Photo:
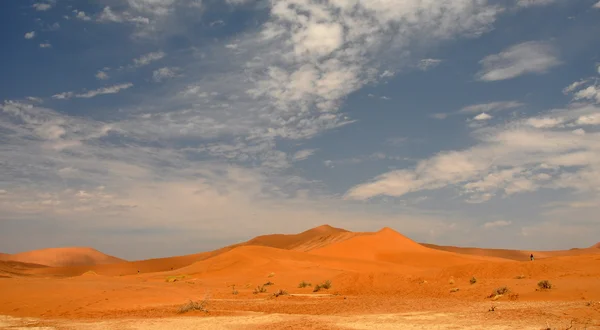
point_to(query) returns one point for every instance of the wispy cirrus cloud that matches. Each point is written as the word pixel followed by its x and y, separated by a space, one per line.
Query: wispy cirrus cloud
pixel 114 89
pixel 531 57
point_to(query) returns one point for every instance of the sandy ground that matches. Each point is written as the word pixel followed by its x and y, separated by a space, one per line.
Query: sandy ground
pixel 379 280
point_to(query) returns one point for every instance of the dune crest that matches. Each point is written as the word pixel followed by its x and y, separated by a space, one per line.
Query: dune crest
pixel 68 256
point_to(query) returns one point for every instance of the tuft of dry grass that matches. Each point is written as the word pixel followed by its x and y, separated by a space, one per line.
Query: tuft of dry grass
pixel 473 280
pixel 492 308
pixel 260 289
pixel 325 285
pixel 280 292
pixel 520 277
pixel 304 284
pixel 268 283
pixel 545 285
pixel 193 306
pixel 501 290
pixel 454 290
pixel 175 278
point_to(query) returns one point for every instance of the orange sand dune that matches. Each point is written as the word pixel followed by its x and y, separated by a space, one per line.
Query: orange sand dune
pixel 390 246
pixel 59 257
pixel 261 260
pixel 513 254
pixel 15 268
pixel 305 241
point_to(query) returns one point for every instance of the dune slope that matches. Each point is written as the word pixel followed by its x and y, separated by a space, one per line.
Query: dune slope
pixel 60 257
pixel 388 245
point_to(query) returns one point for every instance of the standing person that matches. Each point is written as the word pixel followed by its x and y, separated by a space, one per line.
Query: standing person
pixel 531 257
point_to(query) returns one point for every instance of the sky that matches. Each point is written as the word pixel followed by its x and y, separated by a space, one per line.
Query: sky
pixel 151 128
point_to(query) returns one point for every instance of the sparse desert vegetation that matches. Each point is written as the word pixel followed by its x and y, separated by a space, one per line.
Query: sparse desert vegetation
pixel 280 292
pixel 454 290
pixel 544 285
pixel 193 306
pixel 174 278
pixel 259 289
pixel 325 285
pixel 304 284
pixel 473 280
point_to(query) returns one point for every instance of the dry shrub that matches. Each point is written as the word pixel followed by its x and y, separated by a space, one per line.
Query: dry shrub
pixel 193 306
pixel 473 280
pixel 317 288
pixel 520 277
pixel 501 290
pixel 260 289
pixel 545 285
pixel 454 290
pixel 280 292
pixel 326 284
pixel 304 284
pixel 268 283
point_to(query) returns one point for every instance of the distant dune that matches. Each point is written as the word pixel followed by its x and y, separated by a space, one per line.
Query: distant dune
pixel 513 254
pixel 61 257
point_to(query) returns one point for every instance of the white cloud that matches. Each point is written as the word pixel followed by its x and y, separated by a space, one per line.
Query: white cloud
pixel 491 107
pixel 496 224
pixel 387 74
pixel 35 99
pixel 165 73
pixel 545 122
pixel 81 15
pixel 30 35
pixel 597 5
pixel 93 93
pixel 148 58
pixel 63 96
pixel 520 156
pixel 429 63
pixel 45 45
pixel 589 93
pixel 525 58
pixel 108 15
pixel 102 75
pixel 105 90
pixel 303 154
pixel 43 6
pixel 482 116
pixel 533 3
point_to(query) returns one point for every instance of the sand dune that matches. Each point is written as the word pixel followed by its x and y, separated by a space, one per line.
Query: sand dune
pixel 372 272
pixel 390 246
pixel 513 254
pixel 305 241
pixel 60 257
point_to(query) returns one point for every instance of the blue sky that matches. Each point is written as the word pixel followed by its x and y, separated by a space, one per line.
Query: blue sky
pixel 149 128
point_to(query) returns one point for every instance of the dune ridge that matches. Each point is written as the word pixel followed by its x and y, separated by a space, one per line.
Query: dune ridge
pixel 65 256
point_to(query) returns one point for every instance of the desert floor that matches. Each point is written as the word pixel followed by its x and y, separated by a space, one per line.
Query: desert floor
pixel 379 280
